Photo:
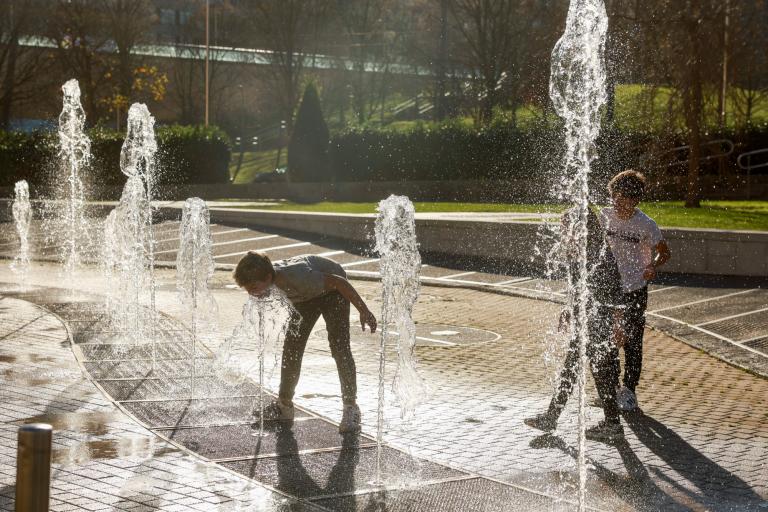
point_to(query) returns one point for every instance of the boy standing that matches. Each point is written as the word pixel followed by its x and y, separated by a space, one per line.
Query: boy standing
pixel 604 321
pixel 316 286
pixel 639 248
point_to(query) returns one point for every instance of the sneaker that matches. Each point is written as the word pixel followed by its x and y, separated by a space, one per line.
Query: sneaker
pixel 544 421
pixel 605 431
pixel 279 410
pixel 350 419
pixel 626 399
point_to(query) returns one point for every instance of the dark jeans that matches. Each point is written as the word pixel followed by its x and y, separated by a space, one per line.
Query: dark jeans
pixel 634 325
pixel 335 311
pixel 604 364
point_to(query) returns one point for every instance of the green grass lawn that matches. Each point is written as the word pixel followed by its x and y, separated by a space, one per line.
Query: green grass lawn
pixel 255 162
pixel 739 215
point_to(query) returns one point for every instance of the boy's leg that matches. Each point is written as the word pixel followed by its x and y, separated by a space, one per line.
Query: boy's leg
pixel 335 309
pixel 634 324
pixel 293 349
pixel 604 359
pixel 567 379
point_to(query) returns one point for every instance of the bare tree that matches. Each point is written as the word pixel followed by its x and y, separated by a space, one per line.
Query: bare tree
pixel 77 27
pixel 283 26
pixel 20 66
pixel 128 25
pixel 748 59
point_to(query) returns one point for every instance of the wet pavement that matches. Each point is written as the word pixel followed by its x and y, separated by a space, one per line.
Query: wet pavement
pixel 726 317
pixel 700 444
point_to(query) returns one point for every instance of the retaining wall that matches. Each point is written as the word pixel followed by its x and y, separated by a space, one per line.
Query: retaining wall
pixel 699 251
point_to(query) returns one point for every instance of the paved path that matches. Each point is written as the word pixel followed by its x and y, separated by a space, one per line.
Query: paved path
pixel 727 317
pixel 103 460
pixel 701 444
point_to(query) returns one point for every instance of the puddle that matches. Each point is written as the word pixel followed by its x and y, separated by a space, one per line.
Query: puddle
pixel 318 395
pixel 25 379
pixel 94 423
pixel 132 447
pixel 27 358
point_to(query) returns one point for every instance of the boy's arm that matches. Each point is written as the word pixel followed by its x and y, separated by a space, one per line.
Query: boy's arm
pixel 662 256
pixel 335 283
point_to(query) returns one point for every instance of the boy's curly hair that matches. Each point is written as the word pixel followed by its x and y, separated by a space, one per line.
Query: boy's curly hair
pixel 254 266
pixel 629 184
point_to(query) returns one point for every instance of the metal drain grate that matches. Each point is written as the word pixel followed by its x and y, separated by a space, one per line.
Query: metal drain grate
pixel 328 473
pixel 173 389
pixel 133 369
pixel 473 495
pixel 182 413
pixel 280 438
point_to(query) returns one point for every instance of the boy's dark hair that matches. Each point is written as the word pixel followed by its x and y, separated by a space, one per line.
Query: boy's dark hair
pixel 629 184
pixel 254 266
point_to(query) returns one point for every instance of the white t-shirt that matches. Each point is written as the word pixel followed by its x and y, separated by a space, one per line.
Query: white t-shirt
pixel 632 242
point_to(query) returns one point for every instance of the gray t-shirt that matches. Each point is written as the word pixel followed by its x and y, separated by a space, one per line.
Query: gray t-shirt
pixel 303 276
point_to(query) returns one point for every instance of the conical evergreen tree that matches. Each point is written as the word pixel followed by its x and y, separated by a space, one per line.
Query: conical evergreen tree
pixel 308 148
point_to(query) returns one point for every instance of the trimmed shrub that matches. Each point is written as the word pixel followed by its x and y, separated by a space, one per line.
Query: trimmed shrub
pixel 186 155
pixel 308 148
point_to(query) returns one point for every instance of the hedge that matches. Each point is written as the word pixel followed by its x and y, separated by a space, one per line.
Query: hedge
pixel 186 154
pixel 453 151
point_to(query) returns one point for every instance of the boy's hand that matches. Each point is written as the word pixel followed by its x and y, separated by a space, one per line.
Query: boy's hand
pixel 649 273
pixel 366 317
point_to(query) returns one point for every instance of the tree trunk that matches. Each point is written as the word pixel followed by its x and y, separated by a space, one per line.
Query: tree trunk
pixel 8 81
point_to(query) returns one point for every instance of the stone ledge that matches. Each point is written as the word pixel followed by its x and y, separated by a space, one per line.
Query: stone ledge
pixel 694 251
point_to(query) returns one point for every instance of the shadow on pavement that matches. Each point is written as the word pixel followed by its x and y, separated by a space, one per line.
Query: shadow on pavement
pixel 715 483
pixel 293 477
pixel 635 488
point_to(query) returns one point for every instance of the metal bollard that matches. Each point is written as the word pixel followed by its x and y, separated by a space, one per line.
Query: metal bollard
pixel 33 468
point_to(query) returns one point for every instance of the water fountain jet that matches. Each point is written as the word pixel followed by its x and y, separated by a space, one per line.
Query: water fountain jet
pixel 194 268
pixel 578 93
pixel 22 216
pixel 400 269
pixel 75 156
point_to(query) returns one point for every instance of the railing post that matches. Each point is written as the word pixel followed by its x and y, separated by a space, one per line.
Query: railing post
pixel 33 468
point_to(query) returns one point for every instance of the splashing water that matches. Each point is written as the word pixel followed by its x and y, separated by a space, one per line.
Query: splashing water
pixel 264 325
pixel 400 268
pixel 194 267
pixel 75 156
pixel 578 93
pixel 132 235
pixel 110 258
pixel 22 216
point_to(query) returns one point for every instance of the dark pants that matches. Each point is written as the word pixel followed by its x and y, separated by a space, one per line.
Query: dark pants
pixel 634 325
pixel 335 311
pixel 604 364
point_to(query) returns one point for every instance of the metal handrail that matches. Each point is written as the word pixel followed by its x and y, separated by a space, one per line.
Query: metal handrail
pixel 749 167
pixel 729 144
pixel 748 155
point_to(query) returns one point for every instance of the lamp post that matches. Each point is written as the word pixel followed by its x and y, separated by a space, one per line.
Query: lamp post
pixel 207 50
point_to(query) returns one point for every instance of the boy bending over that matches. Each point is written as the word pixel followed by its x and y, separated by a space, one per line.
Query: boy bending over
pixel 316 286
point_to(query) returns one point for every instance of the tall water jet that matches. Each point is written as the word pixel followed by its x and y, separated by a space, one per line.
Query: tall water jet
pixel 75 156
pixel 22 216
pixel 194 268
pixel 400 265
pixel 578 93
pixel 133 235
pixel 265 321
